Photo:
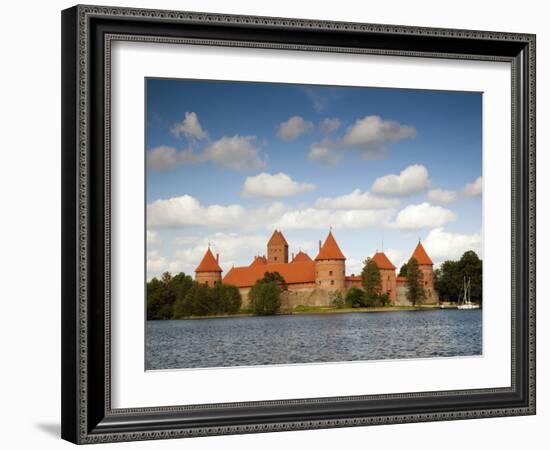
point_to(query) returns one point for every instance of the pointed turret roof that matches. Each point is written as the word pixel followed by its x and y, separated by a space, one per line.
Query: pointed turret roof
pixel 382 261
pixel 208 263
pixel 330 249
pixel 277 238
pixel 421 256
pixel 301 257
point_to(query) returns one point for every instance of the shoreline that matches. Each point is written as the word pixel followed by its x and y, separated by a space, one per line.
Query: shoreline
pixel 319 310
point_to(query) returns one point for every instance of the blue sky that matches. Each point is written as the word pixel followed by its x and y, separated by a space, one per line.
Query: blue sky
pixel 227 162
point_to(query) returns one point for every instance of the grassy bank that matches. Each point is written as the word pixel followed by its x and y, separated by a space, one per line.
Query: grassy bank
pixel 334 310
pixel 300 309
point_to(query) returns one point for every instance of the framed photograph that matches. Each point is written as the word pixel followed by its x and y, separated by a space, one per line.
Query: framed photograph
pixel 280 224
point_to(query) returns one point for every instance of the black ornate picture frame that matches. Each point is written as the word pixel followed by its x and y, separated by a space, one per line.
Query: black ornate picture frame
pixel 87 35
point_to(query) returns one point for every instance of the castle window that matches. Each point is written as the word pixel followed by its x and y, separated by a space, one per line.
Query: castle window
pixel 215 282
pixel 330 272
pixel 332 282
pixel 425 283
pixel 275 258
pixel 206 282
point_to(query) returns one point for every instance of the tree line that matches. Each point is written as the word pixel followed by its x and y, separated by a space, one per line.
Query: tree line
pixel 449 278
pixel 175 297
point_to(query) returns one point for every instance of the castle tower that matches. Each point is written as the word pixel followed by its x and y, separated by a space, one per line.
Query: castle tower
pixel 387 275
pixel 426 265
pixel 330 266
pixel 209 271
pixel 277 248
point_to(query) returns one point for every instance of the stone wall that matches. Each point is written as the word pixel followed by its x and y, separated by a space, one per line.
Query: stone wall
pixel 307 296
pixel 431 296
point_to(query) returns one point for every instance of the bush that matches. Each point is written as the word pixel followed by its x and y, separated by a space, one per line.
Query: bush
pixel 355 297
pixel 384 299
pixel 338 300
pixel 265 298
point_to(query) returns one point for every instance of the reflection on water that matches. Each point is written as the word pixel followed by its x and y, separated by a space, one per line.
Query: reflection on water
pixel 246 341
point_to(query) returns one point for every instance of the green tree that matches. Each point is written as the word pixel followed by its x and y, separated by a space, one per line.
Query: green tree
pixel 449 278
pixel 471 267
pixel 277 278
pixel 415 283
pixel 355 297
pixel 403 270
pixel 265 298
pixel 153 298
pixel 448 281
pixel 230 298
pixel 372 282
pixel 384 299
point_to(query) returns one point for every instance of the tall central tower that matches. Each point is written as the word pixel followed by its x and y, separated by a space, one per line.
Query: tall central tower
pixel 277 248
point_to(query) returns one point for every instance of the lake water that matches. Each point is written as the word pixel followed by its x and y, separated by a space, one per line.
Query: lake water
pixel 296 339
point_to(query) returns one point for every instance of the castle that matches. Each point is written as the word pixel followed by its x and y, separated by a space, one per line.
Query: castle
pixel 313 282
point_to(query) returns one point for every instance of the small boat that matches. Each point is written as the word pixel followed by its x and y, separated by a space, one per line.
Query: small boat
pixel 466 302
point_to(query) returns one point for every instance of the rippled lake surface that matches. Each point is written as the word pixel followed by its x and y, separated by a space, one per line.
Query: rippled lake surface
pixel 297 339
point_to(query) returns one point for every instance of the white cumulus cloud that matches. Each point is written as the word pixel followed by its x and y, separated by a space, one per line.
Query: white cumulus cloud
pixel 373 130
pixel 162 157
pixel 270 186
pixel 314 218
pixel 189 127
pixel 443 245
pixel 474 189
pixel 369 136
pixel 324 152
pixel 236 152
pixel 187 210
pixel 152 238
pixel 445 197
pixel 442 196
pixel 157 264
pixel 410 181
pixel 424 215
pixel 294 127
pixel 356 200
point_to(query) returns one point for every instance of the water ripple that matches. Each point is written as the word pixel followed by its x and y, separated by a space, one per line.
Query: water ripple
pixel 298 339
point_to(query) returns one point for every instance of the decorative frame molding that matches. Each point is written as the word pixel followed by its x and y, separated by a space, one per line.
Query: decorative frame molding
pixel 87 34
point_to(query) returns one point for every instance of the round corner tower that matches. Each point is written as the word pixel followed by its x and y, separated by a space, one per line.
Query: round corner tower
pixel 330 266
pixel 426 266
pixel 209 271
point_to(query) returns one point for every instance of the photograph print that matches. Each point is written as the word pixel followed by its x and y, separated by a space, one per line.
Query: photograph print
pixel 297 224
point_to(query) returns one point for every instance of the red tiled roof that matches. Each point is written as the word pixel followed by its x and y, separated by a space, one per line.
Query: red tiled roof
pixel 330 249
pixel 354 278
pixel 208 263
pixel 297 272
pixel 277 238
pixel 382 261
pixel 259 260
pixel 301 257
pixel 421 256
